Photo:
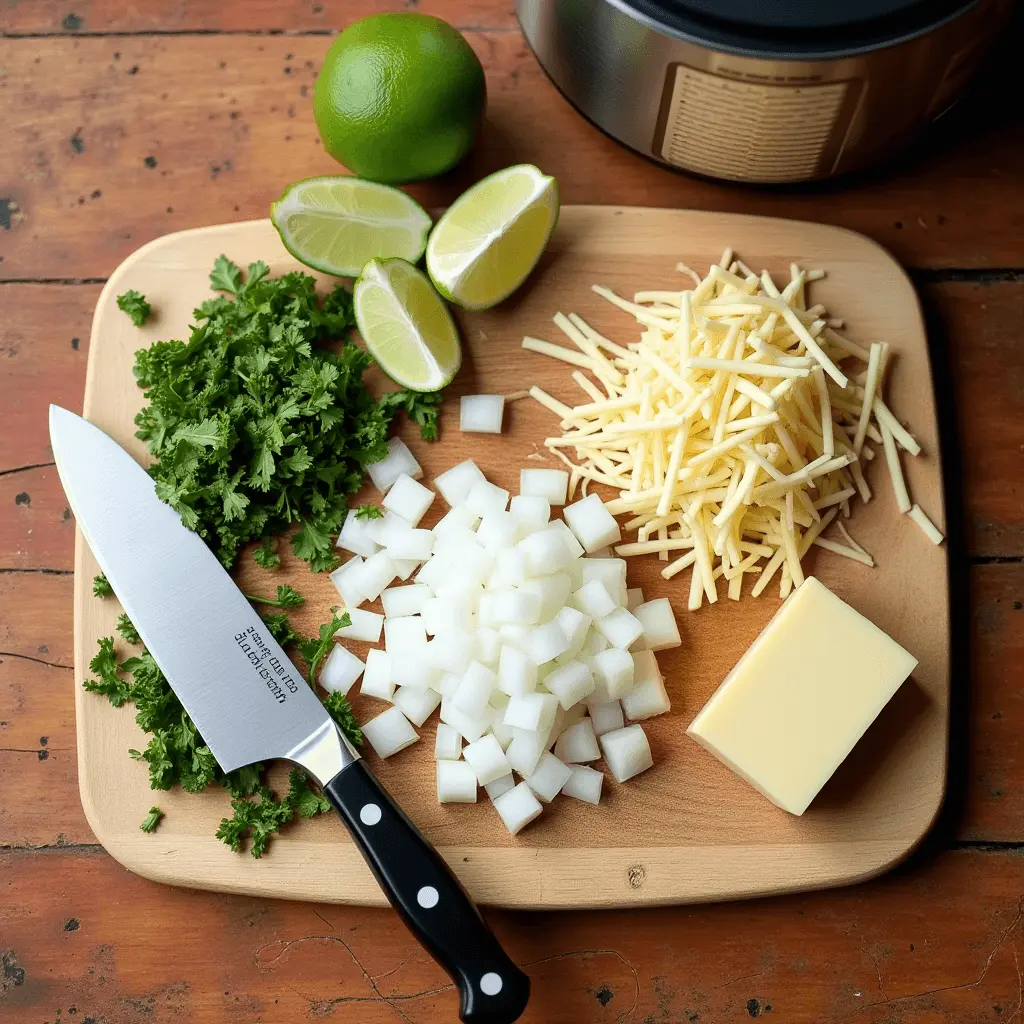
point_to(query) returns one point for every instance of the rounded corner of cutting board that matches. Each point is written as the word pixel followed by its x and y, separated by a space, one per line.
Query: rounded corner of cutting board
pixel 570 875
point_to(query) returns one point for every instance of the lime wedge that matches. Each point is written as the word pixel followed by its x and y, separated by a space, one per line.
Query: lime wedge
pixel 406 325
pixel 488 241
pixel 338 224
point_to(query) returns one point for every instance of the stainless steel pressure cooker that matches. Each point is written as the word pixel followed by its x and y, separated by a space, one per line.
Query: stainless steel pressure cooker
pixel 762 90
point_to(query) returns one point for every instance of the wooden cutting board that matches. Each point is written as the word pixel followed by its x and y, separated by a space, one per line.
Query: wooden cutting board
pixel 688 829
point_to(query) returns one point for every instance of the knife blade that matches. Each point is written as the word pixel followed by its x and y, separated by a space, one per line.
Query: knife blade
pixel 250 703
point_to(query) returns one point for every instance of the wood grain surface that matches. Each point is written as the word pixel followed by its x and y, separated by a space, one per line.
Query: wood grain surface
pixel 82 939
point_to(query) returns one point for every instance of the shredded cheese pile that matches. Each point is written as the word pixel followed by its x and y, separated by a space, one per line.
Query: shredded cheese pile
pixel 730 429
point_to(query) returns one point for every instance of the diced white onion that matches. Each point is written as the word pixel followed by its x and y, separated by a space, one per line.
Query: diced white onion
pixel 481 414
pixel 398 460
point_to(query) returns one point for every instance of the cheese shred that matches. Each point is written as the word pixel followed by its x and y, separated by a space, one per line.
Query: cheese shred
pixel 730 431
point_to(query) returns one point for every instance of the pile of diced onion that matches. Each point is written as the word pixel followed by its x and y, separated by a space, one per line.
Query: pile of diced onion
pixel 519 628
pixel 730 431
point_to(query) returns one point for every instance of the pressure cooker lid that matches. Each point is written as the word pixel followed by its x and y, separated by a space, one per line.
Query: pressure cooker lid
pixel 825 27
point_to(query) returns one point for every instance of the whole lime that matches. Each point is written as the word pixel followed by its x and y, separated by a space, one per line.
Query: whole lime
pixel 400 97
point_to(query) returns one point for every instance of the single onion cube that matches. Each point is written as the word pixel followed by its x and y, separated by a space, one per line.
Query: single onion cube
pixel 398 460
pixel 415 545
pixel 366 626
pixel 594 600
pixel 532 711
pixel 409 668
pixel 448 684
pixel 436 569
pixel 570 683
pixel 595 643
pixel 634 598
pixel 626 752
pixel 475 690
pixel 574 547
pixel 517 675
pixel 404 632
pixel 447 743
pixel 613 673
pixel 509 569
pixel 488 645
pixel 578 743
pixel 340 671
pixel 416 703
pixel 545 643
pixel 456 483
pixel 408 499
pixel 481 414
pixel 606 716
pixel 451 650
pixel 550 484
pixel 355 537
pixel 575 625
pixel 502 784
pixel 376 573
pixel 401 601
pixel 441 614
pixel 471 728
pixel 497 530
pixel 525 750
pixel 584 784
pixel 389 732
pixel 648 696
pixel 532 513
pixel 405 567
pixel 515 607
pixel 593 525
pixel 620 628
pixel 518 807
pixel 548 778
pixel 388 528
pixel 659 622
pixel 545 552
pixel 458 517
pixel 377 676
pixel 553 590
pixel 611 572
pixel 344 578
pixel 456 783
pixel 487 759
pixel 486 497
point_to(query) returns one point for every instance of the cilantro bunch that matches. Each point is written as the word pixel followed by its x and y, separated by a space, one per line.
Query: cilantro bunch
pixel 258 423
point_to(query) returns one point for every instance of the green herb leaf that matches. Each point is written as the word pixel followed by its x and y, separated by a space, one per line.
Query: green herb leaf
pixel 226 277
pixel 261 422
pixel 340 710
pixel 127 629
pixel 281 629
pixel 286 598
pixel 151 820
pixel 315 648
pixel 423 408
pixel 369 512
pixel 135 305
pixel 101 586
pixel 266 555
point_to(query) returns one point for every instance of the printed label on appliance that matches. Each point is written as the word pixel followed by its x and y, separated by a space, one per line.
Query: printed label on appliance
pixel 748 131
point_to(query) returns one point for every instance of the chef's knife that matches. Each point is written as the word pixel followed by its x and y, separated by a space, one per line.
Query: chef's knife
pixel 251 704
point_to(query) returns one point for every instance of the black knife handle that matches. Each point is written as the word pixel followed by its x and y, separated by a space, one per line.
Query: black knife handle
pixel 423 889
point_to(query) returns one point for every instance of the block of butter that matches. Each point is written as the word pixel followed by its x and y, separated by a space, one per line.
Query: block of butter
pixel 801 697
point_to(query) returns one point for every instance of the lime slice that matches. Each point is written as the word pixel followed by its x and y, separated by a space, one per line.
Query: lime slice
pixel 406 325
pixel 488 241
pixel 338 224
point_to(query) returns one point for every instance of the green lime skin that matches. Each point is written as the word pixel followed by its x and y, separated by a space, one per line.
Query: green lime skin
pixel 400 97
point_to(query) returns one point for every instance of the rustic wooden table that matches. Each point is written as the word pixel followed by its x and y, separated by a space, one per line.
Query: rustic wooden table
pixel 125 120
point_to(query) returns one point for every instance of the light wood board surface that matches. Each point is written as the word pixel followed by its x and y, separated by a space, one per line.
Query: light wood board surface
pixel 687 830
